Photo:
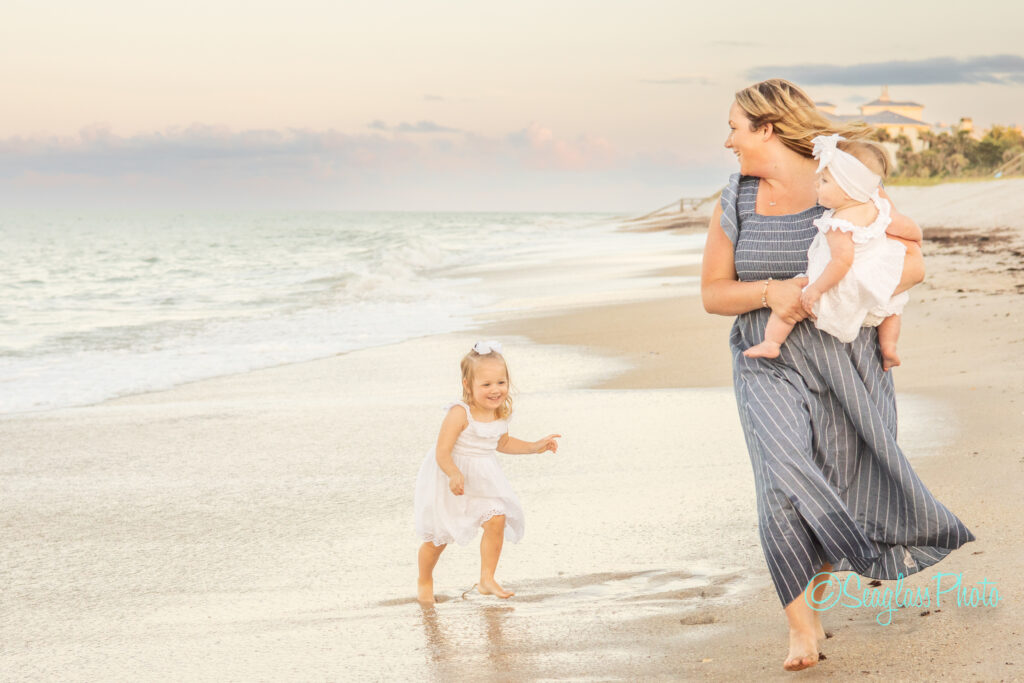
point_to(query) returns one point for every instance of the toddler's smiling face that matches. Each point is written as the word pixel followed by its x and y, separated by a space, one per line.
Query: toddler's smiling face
pixel 490 384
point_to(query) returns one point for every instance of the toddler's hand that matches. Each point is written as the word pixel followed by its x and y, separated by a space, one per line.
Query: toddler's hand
pixel 457 483
pixel 808 298
pixel 548 443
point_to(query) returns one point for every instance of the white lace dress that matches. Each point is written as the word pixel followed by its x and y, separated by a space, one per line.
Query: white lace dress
pixel 441 516
pixel 865 294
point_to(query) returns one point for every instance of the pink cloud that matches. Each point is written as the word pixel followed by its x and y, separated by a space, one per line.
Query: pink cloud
pixel 549 151
pixel 213 165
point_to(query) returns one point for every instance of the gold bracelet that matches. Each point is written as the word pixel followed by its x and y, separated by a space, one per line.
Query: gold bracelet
pixel 764 293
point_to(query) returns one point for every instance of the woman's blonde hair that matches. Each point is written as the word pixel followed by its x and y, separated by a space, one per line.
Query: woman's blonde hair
pixel 469 363
pixel 794 118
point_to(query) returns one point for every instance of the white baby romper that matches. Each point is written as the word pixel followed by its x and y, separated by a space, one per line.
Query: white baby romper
pixel 865 294
pixel 441 516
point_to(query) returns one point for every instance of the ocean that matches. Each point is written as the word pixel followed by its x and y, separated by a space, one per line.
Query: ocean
pixel 98 305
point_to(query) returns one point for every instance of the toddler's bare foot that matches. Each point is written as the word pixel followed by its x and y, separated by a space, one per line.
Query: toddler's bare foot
pixel 889 358
pixel 765 349
pixel 803 650
pixel 425 591
pixel 491 587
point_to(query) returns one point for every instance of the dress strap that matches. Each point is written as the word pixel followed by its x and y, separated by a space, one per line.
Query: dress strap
pixel 883 206
pixel 469 414
pixel 730 220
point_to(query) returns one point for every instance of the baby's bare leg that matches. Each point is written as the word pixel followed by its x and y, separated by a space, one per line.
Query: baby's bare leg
pixel 775 333
pixel 490 551
pixel 888 336
pixel 428 556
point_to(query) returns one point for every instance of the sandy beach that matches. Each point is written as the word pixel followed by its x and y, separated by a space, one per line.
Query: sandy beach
pixel 258 526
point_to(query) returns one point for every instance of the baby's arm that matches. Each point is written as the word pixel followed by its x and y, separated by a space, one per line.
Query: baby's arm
pixel 840 244
pixel 454 422
pixel 513 446
pixel 902 227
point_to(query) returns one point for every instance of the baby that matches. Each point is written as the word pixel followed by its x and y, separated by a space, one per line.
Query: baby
pixel 852 267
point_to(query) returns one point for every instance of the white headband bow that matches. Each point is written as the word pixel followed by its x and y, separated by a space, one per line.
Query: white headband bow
pixel 856 179
pixel 485 347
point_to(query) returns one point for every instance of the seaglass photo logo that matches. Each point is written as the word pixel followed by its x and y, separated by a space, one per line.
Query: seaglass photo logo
pixel 947 589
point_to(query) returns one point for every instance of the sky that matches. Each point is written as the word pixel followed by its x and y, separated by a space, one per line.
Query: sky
pixel 450 105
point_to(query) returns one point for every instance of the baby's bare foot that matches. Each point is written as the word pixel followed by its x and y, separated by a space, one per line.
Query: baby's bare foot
pixel 803 650
pixel 425 591
pixel 491 587
pixel 765 349
pixel 889 358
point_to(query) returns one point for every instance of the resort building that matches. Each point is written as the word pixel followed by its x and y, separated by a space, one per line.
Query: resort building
pixel 884 103
pixel 894 117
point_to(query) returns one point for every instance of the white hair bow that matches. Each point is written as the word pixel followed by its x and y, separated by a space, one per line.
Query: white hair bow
pixel 485 347
pixel 825 149
pixel 857 180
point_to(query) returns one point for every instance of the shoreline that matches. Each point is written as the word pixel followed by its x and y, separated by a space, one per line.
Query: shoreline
pixel 233 514
pixel 961 346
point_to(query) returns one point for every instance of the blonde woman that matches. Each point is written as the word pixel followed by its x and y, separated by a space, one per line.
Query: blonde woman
pixel 834 491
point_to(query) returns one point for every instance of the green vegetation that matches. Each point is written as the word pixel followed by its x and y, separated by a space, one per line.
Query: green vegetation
pixel 956 156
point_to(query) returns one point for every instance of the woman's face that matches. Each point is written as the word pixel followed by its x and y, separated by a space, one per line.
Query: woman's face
pixel 746 144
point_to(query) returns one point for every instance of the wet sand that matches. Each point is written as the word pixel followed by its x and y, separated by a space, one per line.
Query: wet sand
pixel 258 526
pixel 962 343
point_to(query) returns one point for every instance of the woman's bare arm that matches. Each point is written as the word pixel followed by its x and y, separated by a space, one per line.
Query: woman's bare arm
pixel 913 267
pixel 905 230
pixel 723 294
pixel 902 227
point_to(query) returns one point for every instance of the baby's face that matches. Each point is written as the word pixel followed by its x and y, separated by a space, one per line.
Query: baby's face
pixel 830 195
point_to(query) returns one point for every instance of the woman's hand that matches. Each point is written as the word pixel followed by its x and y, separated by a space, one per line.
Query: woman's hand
pixel 457 483
pixel 548 443
pixel 783 297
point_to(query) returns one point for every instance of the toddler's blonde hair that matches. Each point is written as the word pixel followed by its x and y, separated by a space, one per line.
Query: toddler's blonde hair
pixel 468 365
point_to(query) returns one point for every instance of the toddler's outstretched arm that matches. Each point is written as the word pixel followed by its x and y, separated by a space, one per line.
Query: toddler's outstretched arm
pixel 840 245
pixel 454 422
pixel 513 446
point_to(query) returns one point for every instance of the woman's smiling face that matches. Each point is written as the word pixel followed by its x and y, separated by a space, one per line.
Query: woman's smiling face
pixel 746 144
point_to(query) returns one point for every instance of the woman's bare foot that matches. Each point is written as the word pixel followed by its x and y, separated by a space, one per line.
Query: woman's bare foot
pixel 491 587
pixel 889 358
pixel 819 630
pixel 425 591
pixel 803 650
pixel 765 349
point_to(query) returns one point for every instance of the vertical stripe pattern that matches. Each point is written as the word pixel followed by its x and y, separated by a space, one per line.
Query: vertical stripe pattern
pixel 820 426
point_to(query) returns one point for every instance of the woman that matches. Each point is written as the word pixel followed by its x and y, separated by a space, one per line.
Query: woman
pixel 834 491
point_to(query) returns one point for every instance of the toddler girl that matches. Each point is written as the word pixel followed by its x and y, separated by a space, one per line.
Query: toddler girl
pixel 853 269
pixel 460 486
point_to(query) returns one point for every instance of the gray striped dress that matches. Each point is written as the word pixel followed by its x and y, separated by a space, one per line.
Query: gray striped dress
pixel 820 426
